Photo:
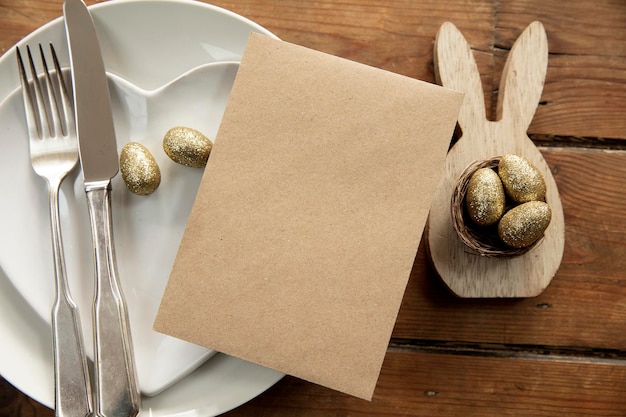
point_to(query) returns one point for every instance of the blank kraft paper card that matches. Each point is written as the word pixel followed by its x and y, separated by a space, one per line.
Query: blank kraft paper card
pixel 309 215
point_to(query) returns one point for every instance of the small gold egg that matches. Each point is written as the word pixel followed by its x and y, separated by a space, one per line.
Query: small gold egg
pixel 485 199
pixel 187 146
pixel 521 179
pixel 140 172
pixel 521 226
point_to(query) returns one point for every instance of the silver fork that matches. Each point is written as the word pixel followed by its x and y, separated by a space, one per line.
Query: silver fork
pixel 54 153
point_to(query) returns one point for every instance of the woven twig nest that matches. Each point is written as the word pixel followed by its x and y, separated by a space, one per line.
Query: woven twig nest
pixel 483 240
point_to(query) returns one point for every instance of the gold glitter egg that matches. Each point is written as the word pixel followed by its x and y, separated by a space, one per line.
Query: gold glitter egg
pixel 187 146
pixel 140 172
pixel 521 179
pixel 521 226
pixel 485 199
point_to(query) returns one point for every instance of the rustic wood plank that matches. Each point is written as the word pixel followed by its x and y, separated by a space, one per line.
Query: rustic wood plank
pixel 430 384
pixel 396 36
pixel 20 17
pixel 17 22
pixel 585 91
pixel 14 403
pixel 417 384
pixel 584 306
pixel 586 83
pixel 585 88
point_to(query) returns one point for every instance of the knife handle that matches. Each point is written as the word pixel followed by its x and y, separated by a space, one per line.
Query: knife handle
pixel 116 388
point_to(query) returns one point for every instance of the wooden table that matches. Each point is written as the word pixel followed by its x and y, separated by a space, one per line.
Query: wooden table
pixel 562 353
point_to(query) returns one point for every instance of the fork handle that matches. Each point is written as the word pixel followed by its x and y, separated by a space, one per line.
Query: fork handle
pixel 72 390
pixel 116 388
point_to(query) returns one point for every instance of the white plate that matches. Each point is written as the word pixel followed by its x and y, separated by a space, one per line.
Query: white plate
pixel 162 57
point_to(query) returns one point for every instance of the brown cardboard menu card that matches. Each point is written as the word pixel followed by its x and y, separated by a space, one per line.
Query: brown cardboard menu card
pixel 309 215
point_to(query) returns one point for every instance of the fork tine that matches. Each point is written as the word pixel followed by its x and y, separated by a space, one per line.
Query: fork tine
pixel 43 113
pixel 56 113
pixel 30 101
pixel 68 108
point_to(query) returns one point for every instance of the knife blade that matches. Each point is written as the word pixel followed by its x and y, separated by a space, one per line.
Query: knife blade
pixel 116 391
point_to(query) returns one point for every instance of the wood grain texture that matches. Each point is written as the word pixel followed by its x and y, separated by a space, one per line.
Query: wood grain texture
pixel 430 384
pixel 396 36
pixel 464 271
pixel 585 304
pixel 14 403
pixel 585 91
pixel 18 18
pixel 585 87
pixel 416 385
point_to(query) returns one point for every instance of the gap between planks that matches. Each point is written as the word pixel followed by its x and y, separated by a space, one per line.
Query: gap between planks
pixel 514 351
pixel 580 142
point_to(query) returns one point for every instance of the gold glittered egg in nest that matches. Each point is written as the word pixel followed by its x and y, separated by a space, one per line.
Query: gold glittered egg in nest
pixel 485 199
pixel 521 179
pixel 521 226
pixel 187 146
pixel 139 169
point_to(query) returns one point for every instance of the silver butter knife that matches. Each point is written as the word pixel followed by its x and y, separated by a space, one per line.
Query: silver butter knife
pixel 116 391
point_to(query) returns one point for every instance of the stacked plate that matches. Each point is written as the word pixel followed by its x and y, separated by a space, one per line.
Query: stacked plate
pixel 170 63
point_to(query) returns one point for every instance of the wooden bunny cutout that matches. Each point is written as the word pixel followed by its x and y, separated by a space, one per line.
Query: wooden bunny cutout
pixel 464 271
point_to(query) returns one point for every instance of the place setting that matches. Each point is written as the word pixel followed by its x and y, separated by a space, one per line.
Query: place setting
pixel 149 94
pixel 303 208
pixel 242 208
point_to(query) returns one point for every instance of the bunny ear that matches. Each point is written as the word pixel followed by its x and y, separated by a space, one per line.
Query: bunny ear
pixel 523 76
pixel 456 68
